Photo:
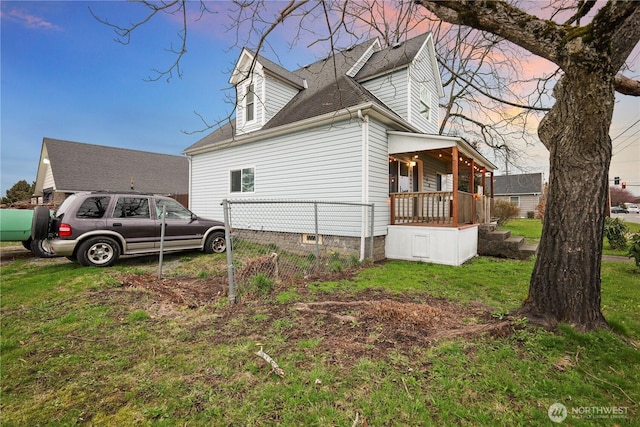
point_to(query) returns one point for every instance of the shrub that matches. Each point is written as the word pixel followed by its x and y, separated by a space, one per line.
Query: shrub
pixel 634 249
pixel 504 211
pixel 615 231
pixel 530 214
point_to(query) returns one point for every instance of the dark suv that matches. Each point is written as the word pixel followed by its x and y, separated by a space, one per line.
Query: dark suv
pixel 96 228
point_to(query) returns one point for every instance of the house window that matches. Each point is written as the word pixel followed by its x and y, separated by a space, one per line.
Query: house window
pixel 515 200
pixel 250 103
pixel 242 180
pixel 425 102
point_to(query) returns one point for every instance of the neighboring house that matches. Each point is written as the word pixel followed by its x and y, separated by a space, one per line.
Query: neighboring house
pixel 523 190
pixel 360 126
pixel 68 167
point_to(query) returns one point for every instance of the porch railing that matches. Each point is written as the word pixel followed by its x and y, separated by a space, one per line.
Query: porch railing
pixel 438 208
pixel 411 208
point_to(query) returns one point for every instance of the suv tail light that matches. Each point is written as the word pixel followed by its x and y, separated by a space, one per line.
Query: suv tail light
pixel 64 230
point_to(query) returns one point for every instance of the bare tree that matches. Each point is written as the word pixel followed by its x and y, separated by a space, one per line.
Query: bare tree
pixel 565 283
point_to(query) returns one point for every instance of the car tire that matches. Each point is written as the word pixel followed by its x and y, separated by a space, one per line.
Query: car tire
pixel 40 223
pixel 215 243
pixel 98 252
pixel 27 244
pixel 42 249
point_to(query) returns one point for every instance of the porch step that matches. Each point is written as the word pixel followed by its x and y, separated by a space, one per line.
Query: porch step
pixel 500 243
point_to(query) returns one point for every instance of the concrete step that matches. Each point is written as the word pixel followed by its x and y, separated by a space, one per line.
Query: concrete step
pixel 514 242
pixel 497 235
pixel 528 250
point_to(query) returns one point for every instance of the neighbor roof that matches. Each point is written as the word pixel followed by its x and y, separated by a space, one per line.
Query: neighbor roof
pixel 78 166
pixel 530 183
pixel 329 89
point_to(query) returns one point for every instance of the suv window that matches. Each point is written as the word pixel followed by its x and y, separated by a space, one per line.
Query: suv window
pixel 132 207
pixel 93 207
pixel 173 209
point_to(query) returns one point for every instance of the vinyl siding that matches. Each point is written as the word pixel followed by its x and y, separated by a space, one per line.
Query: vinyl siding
pixel 321 164
pixel 421 73
pixel 391 89
pixel 379 176
pixel 528 202
pixel 259 100
pixel 277 95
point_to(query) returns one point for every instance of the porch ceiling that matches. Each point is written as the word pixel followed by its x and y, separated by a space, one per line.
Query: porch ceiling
pixel 406 142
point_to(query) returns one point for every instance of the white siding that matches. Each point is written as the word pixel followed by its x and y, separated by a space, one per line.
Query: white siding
pixel 259 100
pixel 322 164
pixel 49 182
pixel 421 73
pixel 277 95
pixel 391 89
pixel 379 176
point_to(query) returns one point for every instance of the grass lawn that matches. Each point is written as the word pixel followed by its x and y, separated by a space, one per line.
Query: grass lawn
pixel 531 230
pixel 85 346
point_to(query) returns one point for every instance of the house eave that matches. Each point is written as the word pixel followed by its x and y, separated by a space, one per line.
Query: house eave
pixel 369 108
pixel 408 142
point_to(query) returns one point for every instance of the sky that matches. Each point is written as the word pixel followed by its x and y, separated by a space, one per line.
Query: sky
pixel 64 76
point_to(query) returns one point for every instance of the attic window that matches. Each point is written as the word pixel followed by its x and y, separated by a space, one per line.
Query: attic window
pixel 250 103
pixel 425 102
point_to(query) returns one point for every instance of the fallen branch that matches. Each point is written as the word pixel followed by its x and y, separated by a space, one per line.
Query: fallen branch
pixel 301 306
pixel 274 366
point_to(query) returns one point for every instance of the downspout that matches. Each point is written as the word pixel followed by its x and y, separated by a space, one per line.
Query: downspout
pixel 365 182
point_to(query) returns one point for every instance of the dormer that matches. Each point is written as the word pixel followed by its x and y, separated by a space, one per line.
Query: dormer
pixel 262 89
pixel 405 77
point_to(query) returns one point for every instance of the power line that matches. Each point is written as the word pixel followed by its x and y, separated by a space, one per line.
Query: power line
pixel 623 132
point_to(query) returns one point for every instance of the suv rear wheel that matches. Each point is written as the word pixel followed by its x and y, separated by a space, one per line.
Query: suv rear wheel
pixel 98 252
pixel 41 249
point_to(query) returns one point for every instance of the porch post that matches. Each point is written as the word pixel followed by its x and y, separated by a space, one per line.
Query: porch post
pixel 454 171
pixel 472 186
pixel 392 207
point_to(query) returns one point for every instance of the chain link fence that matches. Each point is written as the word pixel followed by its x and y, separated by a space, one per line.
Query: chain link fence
pixel 274 242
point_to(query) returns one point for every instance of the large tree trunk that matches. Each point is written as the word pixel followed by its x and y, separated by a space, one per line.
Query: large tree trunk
pixel 565 284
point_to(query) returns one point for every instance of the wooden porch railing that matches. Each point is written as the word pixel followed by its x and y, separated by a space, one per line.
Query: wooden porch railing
pixel 437 208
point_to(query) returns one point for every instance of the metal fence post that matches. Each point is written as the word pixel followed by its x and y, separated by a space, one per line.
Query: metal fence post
pixel 163 223
pixel 372 231
pixel 315 209
pixel 227 238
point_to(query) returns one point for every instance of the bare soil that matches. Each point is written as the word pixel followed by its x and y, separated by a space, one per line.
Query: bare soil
pixel 347 325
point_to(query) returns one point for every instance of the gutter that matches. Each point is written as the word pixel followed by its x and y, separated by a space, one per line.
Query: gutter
pixel 329 118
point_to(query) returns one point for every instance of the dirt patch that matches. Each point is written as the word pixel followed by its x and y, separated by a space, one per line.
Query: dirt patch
pixel 345 325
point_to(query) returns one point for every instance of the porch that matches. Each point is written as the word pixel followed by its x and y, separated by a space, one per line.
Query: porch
pixel 440 190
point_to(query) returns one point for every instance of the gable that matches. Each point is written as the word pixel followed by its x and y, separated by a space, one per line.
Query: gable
pixel 76 166
pixel 345 81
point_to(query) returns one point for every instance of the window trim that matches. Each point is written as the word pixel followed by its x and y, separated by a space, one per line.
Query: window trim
pixel 250 103
pixel 241 170
pixel 425 102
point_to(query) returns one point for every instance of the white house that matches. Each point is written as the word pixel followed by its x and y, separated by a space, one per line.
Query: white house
pixel 360 126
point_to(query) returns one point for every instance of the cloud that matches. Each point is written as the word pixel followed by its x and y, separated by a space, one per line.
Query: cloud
pixel 28 20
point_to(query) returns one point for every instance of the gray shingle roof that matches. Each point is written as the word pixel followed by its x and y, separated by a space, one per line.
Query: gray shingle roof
pixel 530 183
pixel 391 58
pixel 329 89
pixel 86 167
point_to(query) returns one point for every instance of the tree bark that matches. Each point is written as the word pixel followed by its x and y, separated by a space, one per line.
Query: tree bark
pixel 565 284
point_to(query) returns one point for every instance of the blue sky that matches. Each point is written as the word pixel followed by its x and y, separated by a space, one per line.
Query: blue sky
pixel 63 76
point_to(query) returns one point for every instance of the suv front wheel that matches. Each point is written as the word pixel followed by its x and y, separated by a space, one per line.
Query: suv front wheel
pixel 98 252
